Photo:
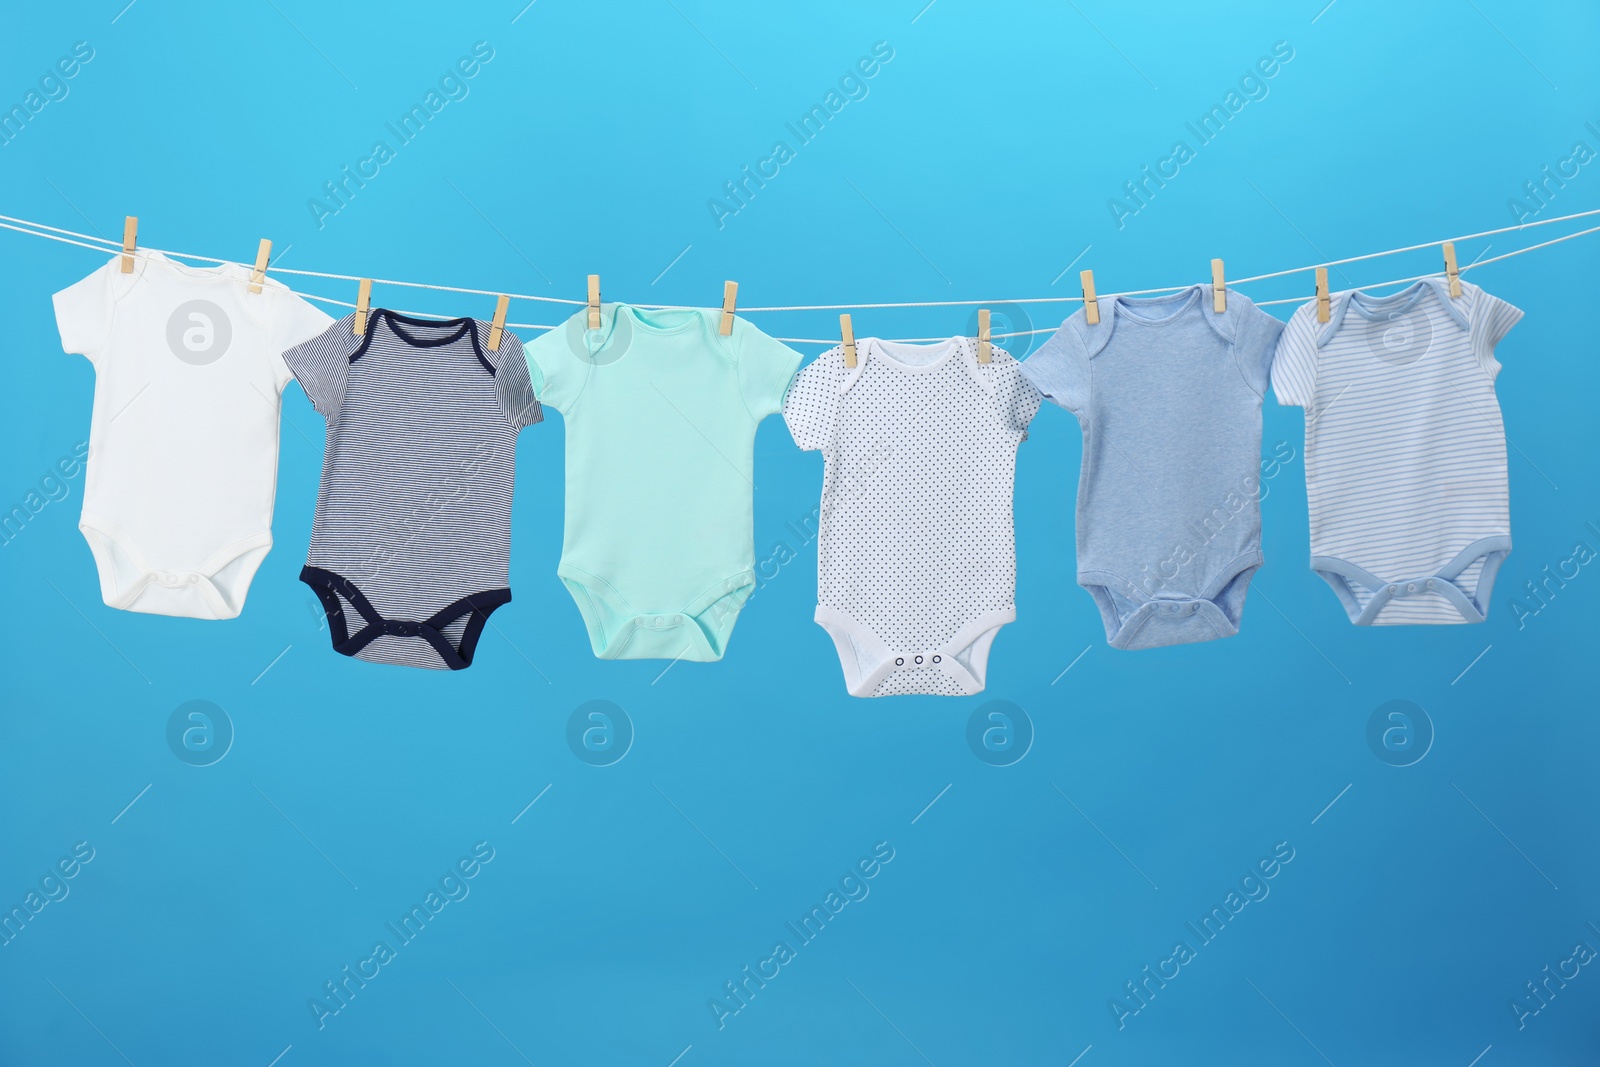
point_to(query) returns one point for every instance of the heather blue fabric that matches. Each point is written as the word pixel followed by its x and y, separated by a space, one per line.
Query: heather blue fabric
pixel 1168 394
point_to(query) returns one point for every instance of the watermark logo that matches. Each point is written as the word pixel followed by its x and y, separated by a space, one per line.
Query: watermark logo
pixel 1540 192
pixel 738 193
pixel 599 733
pixel 199 733
pixel 1540 591
pixel 852 887
pixel 199 332
pixel 1197 534
pixel 52 888
pixel 1004 319
pixel 1551 981
pixel 53 87
pixel 1138 193
pixel 452 887
pixel 1251 888
pixel 451 87
pixel 1399 733
pixel 999 733
pixel 54 486
pixel 604 346
pixel 1400 338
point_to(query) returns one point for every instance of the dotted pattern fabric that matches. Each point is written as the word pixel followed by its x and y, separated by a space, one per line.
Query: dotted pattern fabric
pixel 916 535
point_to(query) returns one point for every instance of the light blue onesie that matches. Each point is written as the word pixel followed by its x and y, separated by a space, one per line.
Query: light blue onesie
pixel 1168 394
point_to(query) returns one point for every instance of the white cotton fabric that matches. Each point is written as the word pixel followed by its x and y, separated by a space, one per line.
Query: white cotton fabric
pixel 183 442
pixel 916 558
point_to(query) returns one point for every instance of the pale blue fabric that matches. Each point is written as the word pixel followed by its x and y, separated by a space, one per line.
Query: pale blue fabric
pixel 1168 394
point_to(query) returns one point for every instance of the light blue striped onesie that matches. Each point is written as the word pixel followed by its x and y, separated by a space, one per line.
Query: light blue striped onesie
pixel 1405 449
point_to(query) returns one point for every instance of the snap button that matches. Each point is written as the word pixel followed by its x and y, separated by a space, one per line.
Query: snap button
pixel 899 661
pixel 916 659
pixel 1412 587
pixel 936 659
pixel 1393 589
pixel 1429 583
pixel 194 578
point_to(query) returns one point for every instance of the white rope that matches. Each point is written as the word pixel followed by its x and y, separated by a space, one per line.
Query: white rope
pixel 417 314
pixel 63 240
pixel 104 244
pixel 1430 244
pixel 1530 248
pixel 116 246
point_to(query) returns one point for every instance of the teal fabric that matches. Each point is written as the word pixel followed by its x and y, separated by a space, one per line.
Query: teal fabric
pixel 661 414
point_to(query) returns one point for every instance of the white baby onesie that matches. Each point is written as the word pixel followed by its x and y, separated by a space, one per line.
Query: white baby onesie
pixel 183 444
pixel 1405 449
pixel 916 556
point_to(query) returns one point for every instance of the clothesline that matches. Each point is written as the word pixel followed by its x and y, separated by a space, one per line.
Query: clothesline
pixel 102 244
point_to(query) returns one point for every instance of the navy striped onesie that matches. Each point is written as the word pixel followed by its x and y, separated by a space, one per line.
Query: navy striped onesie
pixel 411 546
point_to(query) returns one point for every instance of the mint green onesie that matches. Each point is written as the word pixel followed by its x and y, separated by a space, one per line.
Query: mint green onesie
pixel 661 415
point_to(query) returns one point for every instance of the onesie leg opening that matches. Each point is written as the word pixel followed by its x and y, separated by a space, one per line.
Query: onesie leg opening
pixel 471 613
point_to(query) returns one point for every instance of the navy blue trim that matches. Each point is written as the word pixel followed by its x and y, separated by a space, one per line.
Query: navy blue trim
pixel 464 327
pixel 329 587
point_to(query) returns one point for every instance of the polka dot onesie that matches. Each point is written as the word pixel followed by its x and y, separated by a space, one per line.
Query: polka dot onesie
pixel 916 558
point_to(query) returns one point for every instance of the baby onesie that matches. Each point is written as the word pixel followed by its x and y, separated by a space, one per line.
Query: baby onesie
pixel 1168 394
pixel 411 545
pixel 183 443
pixel 661 413
pixel 1405 449
pixel 916 558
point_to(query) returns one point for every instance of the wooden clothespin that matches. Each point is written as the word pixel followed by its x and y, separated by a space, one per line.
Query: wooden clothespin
pixel 498 326
pixel 263 253
pixel 849 335
pixel 1091 305
pixel 363 305
pixel 983 335
pixel 594 301
pixel 730 290
pixel 130 242
pixel 1450 269
pixel 1219 288
pixel 1322 294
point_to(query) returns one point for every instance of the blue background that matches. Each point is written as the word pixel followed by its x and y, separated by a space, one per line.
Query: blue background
pixel 1020 899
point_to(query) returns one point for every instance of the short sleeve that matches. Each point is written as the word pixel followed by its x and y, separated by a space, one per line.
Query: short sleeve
pixel 813 399
pixel 1294 359
pixel 1255 341
pixel 1060 368
pixel 766 367
pixel 1492 319
pixel 513 387
pixel 1014 395
pixel 294 321
pixel 556 373
pixel 322 365
pixel 84 309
